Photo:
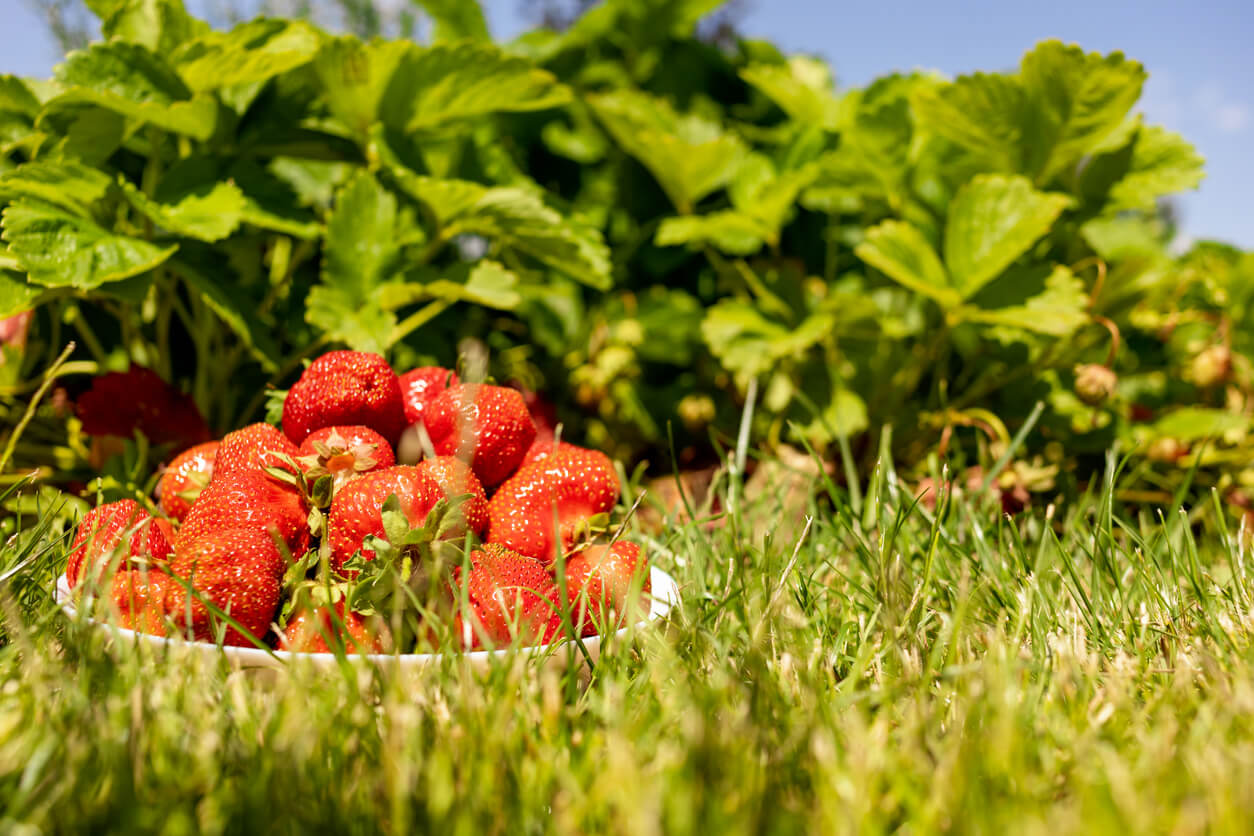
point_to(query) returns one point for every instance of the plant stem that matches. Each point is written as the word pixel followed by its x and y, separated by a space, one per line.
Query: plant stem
pixel 49 376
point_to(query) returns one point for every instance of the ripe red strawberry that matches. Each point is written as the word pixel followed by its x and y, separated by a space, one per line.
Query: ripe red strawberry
pixel 343 388
pixel 239 571
pixel 542 448
pixel 308 630
pixel 344 452
pixel 421 385
pixel 356 510
pixel 249 499
pixel 577 482
pixel 599 581
pixel 118 403
pixel 509 596
pixel 456 479
pixel 138 597
pixel 123 525
pixel 185 478
pixel 487 426
pixel 251 448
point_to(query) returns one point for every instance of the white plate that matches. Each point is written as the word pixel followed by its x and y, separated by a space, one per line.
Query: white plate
pixel 665 594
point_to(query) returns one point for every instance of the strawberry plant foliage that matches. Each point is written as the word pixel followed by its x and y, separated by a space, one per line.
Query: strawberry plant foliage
pixel 634 217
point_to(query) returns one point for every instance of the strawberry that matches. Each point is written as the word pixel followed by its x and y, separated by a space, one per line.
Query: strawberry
pixel 542 448
pixel 356 510
pixel 456 479
pixel 543 413
pixel 238 570
pixel 138 597
pixel 599 582
pixel 579 483
pixel 123 526
pixel 118 403
pixel 486 425
pixel 509 595
pixel 184 479
pixel 421 385
pixel 344 453
pixel 249 499
pixel 308 630
pixel 344 388
pixel 252 448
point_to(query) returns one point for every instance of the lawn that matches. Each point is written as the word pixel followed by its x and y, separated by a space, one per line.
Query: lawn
pixel 888 667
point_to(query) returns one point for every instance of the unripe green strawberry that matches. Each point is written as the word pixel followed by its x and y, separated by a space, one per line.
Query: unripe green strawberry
pixel 1211 366
pixel 1094 384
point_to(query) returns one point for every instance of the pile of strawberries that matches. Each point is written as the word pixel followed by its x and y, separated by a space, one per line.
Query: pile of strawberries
pixel 314 538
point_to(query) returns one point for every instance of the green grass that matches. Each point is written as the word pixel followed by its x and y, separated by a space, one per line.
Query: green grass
pixel 893 670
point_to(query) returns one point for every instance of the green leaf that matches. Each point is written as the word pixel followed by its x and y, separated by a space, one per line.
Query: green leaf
pixel 361 255
pixel 514 219
pixel 129 80
pixel 899 251
pixel 209 212
pixel 688 155
pixel 16 294
pixel 1078 101
pixel 355 77
pixel 1162 163
pixel 66 183
pixel 60 249
pixel 485 282
pixel 1123 237
pixel 250 53
pixel 1055 304
pixel 450 82
pixel 1193 423
pixel 741 338
pixel 982 113
pixel 802 88
pixel 159 25
pixel 729 231
pixel 456 20
pixel 992 221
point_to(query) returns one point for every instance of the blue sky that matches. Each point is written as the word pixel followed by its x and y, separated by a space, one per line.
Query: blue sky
pixel 1200 59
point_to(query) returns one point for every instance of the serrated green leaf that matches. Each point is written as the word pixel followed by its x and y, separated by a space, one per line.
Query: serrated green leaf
pixel 451 82
pixel 355 77
pixel 1078 100
pixel 456 20
pixel 1055 305
pixel 992 221
pixel 361 255
pixel 1162 163
pixel 60 249
pixel 514 219
pixel 749 344
pixel 899 251
pixel 1123 237
pixel 1193 423
pixel 209 212
pixel 250 53
pixel 688 155
pixel 159 25
pixel 984 113
pixel 65 183
pixel 729 231
pixel 486 282
pixel 768 197
pixel 128 79
pixel 802 88
pixel 16 294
